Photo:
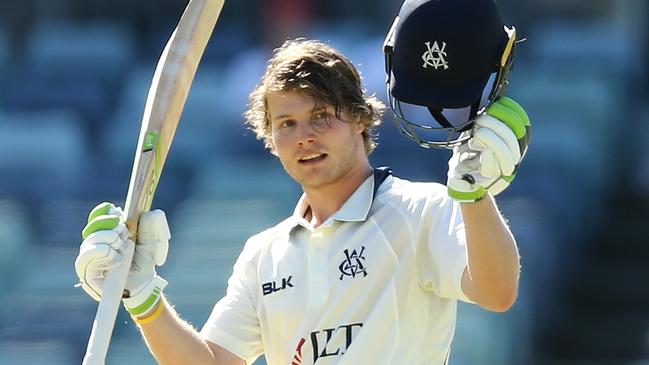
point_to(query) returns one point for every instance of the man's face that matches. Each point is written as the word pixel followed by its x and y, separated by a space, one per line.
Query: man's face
pixel 315 147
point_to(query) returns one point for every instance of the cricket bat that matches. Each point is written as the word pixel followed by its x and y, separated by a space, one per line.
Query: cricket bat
pixel 169 89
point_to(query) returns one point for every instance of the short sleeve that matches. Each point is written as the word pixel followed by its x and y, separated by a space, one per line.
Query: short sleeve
pixel 442 256
pixel 233 323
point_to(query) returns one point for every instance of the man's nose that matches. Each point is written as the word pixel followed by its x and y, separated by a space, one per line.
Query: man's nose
pixel 306 133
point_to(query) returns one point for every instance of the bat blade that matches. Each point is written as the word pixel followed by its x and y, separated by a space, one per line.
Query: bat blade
pixel 169 89
pixel 167 95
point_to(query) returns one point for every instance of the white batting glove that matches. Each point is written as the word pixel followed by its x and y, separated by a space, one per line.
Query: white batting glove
pixel 489 160
pixel 105 237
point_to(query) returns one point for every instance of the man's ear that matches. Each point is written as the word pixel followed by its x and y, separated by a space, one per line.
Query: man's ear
pixel 359 127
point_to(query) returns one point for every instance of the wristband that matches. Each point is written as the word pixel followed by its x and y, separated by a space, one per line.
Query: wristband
pixel 152 317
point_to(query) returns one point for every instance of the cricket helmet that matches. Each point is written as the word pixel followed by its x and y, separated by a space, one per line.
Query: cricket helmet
pixel 451 57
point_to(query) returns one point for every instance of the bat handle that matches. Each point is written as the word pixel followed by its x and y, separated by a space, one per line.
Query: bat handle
pixel 102 328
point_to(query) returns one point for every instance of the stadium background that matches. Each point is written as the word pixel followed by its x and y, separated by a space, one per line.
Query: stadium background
pixel 73 79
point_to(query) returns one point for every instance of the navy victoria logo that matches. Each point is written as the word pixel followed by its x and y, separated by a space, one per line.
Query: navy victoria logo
pixel 354 264
pixel 434 56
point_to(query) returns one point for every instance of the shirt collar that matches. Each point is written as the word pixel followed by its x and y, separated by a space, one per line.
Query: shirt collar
pixel 358 205
pixel 356 208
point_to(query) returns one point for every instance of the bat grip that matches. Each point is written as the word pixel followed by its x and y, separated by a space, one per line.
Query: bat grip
pixel 102 328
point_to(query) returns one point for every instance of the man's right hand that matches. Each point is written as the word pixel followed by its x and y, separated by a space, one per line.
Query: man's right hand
pixel 104 239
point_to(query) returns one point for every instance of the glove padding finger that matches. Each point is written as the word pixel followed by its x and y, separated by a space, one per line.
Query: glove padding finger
pixel 486 138
pixel 514 116
pixel 154 235
pixel 506 111
pixel 489 166
pixel 501 130
pixel 97 252
pixel 100 252
pixel 104 216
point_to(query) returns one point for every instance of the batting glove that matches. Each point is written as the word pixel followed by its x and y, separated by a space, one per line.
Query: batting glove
pixel 489 160
pixel 105 238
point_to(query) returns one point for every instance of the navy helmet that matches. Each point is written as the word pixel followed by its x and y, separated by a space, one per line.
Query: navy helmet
pixel 451 57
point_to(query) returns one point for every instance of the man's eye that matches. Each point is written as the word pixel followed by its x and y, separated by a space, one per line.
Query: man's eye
pixel 287 123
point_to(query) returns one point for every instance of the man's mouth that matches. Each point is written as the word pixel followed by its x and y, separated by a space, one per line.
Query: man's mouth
pixel 311 158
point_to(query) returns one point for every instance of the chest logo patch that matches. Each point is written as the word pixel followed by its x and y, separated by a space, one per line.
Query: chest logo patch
pixel 354 264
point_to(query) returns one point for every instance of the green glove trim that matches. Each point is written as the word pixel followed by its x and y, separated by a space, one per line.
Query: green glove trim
pixel 101 209
pixel 103 222
pixel 468 196
pixel 147 305
pixel 509 179
pixel 508 116
pixel 516 107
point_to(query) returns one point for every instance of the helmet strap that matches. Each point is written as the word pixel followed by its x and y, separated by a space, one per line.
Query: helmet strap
pixel 441 119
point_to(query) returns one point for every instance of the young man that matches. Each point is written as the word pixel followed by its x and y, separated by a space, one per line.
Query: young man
pixel 367 270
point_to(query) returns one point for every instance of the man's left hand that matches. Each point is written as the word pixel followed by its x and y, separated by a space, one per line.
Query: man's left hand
pixel 489 160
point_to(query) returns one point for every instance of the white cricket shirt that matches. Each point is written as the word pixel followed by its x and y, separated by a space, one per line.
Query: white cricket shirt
pixel 377 283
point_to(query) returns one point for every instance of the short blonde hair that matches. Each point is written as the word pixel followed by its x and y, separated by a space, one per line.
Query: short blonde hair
pixel 321 72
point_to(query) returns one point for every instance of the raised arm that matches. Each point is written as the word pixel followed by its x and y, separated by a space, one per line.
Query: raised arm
pixel 479 169
pixel 491 278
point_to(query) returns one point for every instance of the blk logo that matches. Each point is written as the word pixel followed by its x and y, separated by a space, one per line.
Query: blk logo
pixel 273 287
pixel 354 264
pixel 435 56
pixel 327 342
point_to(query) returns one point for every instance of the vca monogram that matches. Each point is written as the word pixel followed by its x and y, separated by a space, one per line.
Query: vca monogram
pixel 354 264
pixel 435 56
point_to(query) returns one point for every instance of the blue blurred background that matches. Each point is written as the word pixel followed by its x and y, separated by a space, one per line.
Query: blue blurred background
pixel 74 76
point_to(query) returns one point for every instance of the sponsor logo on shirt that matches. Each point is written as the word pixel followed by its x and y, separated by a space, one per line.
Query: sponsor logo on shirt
pixel 273 286
pixel 353 264
pixel 327 342
pixel 297 358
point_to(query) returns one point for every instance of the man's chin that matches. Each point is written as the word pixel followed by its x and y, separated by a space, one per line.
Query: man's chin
pixel 313 180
